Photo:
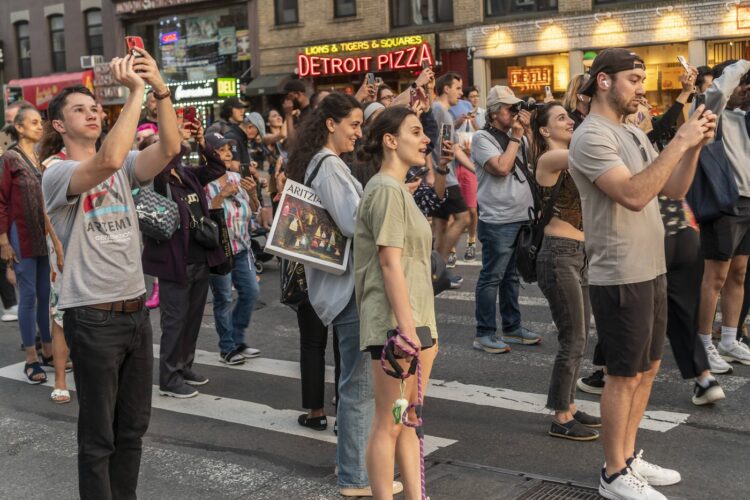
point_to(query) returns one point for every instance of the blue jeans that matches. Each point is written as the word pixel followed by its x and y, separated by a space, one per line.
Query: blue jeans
pixel 498 272
pixel 231 323
pixel 355 404
pixel 32 276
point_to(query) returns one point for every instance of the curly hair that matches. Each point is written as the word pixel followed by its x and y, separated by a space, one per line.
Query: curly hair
pixel 313 133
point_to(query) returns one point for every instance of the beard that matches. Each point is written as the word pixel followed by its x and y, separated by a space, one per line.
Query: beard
pixel 296 104
pixel 623 105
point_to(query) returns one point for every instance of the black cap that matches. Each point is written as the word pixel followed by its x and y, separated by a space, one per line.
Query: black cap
pixel 216 140
pixel 294 86
pixel 611 61
pixel 234 102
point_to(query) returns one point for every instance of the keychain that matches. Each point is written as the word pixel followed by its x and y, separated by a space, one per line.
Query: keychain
pixel 399 407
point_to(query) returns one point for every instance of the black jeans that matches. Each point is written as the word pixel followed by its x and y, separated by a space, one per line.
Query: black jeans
pixel 181 306
pixel 562 269
pixel 313 340
pixel 7 291
pixel 113 356
pixel 684 275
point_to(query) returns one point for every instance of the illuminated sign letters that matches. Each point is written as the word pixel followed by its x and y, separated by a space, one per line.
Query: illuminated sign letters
pixel 530 77
pixel 406 58
pixel 169 38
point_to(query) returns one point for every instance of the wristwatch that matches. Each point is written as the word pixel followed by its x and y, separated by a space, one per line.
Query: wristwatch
pixel 161 97
pixel 513 139
pixel 442 171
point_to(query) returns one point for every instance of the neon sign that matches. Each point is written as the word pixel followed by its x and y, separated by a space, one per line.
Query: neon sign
pixel 170 37
pixel 408 58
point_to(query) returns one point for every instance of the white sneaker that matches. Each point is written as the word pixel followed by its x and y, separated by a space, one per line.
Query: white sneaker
pixel 653 474
pixel 628 486
pixel 716 362
pixel 248 352
pixel 736 352
pixel 10 314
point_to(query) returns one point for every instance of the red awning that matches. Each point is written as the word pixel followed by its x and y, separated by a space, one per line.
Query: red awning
pixel 40 91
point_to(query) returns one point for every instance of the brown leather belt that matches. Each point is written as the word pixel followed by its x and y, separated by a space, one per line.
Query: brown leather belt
pixel 121 306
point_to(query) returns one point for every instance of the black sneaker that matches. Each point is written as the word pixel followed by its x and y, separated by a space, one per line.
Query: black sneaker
pixel 573 430
pixel 587 420
pixel 192 378
pixel 709 395
pixel 232 358
pixel 314 423
pixel 183 391
pixel 593 384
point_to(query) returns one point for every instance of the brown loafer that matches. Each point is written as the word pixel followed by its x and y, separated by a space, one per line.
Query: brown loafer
pixel 398 487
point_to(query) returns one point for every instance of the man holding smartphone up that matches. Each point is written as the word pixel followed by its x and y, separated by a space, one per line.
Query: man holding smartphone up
pixel 107 326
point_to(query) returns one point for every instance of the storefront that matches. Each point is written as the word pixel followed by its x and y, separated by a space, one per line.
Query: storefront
pixel 206 96
pixel 343 65
pixel 40 91
pixel 110 94
pixel 198 44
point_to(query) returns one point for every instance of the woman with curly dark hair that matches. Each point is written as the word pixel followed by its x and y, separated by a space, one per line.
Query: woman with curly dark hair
pixel 329 131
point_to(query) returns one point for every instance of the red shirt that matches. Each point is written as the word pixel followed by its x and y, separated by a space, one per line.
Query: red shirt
pixel 22 203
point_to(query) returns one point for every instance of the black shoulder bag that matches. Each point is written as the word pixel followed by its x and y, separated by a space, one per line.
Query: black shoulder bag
pixel 293 280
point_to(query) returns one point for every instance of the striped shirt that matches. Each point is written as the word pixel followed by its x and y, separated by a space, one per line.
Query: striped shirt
pixel 237 211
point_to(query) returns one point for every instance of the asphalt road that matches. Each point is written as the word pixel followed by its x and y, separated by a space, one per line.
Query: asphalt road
pixel 485 421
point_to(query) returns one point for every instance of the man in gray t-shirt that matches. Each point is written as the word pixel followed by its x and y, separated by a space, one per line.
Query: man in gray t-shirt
pixel 619 175
pixel 106 324
pixel 503 198
pixel 447 231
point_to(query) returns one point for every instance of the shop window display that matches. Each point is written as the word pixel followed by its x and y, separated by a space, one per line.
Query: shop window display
pixel 199 46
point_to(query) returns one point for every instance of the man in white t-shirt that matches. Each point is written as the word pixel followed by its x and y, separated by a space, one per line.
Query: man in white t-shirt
pixel 106 324
pixel 619 174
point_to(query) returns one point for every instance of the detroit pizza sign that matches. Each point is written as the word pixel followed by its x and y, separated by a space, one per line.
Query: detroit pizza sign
pixel 395 60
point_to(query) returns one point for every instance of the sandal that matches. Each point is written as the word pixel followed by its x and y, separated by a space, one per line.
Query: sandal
pixel 60 396
pixel 36 369
pixel 50 363
pixel 314 423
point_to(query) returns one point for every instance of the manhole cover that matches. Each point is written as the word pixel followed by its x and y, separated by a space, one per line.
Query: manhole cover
pixel 552 491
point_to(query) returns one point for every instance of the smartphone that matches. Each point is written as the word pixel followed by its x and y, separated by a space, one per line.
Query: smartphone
pixel 446 132
pixel 424 334
pixel 189 114
pixel 245 170
pixel 684 63
pixel 370 78
pixel 378 81
pixel 548 92
pixel 133 42
pixel 416 173
pixel 425 64
pixel 413 96
pixel 700 99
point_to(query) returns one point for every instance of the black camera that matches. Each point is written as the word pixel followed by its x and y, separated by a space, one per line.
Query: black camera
pixel 529 105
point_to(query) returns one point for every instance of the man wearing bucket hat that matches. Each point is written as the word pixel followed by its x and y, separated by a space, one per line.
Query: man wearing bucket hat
pixel 619 175
pixel 504 198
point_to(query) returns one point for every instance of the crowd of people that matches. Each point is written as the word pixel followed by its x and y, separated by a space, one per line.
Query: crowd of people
pixel 405 176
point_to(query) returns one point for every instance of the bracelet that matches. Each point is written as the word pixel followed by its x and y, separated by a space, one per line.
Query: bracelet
pixel 442 171
pixel 513 139
pixel 161 97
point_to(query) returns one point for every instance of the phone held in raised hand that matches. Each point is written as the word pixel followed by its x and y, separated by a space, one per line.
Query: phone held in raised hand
pixel 245 170
pixel 446 133
pixel 416 173
pixel 370 78
pixel 189 114
pixel 684 63
pixel 548 92
pixel 133 42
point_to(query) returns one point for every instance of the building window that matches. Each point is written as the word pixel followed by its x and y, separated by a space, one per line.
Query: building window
pixel 418 12
pixel 94 32
pixel 286 11
pixel 24 49
pixel 57 37
pixel 505 7
pixel 344 8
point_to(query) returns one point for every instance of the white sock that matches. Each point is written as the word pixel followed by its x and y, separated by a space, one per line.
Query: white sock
pixel 706 338
pixel 728 336
pixel 704 381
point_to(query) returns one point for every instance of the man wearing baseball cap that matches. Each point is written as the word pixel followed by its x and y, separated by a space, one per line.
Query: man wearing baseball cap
pixel 233 114
pixel 504 198
pixel 296 106
pixel 619 175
